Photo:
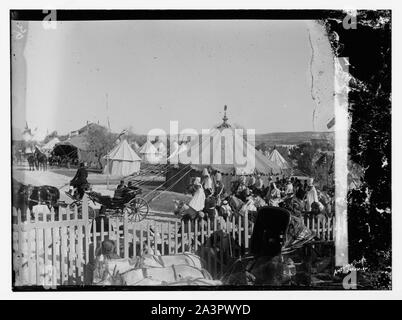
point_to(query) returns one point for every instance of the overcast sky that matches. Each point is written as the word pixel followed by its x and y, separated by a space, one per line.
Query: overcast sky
pixel 156 71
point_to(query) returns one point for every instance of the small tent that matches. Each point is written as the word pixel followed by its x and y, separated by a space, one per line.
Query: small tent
pixel 160 148
pixel 278 159
pixel 149 153
pixel 48 147
pixel 122 160
pixel 29 150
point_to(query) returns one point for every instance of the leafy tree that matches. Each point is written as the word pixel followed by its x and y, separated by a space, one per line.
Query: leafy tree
pixel 100 142
pixel 303 156
pixel 368 47
pixel 323 171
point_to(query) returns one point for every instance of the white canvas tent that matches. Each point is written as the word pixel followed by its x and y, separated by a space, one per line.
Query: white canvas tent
pixel 277 158
pixel 149 153
pixel 29 150
pixel 160 148
pixel 176 149
pixel 48 147
pixel 122 160
pixel 224 149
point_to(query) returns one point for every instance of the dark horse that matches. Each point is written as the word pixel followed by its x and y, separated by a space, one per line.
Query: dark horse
pixel 26 197
pixel 41 160
pixel 32 162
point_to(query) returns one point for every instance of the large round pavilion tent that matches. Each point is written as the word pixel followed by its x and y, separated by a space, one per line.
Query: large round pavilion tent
pixel 223 150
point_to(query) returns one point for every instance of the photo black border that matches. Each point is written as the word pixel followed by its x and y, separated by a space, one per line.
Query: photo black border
pixel 165 14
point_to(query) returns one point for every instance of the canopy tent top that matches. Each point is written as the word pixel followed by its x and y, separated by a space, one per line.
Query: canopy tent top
pixel 278 159
pixel 123 152
pixel 221 150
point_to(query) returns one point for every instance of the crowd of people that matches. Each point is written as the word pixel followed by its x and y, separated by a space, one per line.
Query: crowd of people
pixel 210 195
pixel 63 161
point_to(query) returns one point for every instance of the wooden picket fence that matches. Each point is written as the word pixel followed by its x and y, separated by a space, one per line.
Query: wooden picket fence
pixel 51 251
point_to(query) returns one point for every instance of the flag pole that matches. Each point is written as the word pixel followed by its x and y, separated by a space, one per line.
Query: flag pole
pixel 107 156
pixel 107 161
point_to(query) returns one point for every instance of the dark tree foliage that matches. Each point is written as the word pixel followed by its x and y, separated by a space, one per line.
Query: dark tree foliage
pixel 303 156
pixel 100 142
pixel 368 48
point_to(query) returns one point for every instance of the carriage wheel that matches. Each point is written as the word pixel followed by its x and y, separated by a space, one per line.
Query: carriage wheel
pixel 137 209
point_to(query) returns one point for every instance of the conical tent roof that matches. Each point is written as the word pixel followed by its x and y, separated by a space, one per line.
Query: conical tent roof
pixel 148 148
pixel 277 158
pixel 150 154
pixel 225 150
pixel 123 152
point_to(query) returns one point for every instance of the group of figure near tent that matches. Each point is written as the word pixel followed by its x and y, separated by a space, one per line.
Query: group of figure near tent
pixel 210 196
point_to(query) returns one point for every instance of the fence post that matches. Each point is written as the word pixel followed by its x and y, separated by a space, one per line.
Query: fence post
pixel 246 230
pixel 125 230
pixel 87 226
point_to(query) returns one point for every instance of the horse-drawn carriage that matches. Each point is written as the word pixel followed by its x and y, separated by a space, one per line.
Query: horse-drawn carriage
pixel 137 208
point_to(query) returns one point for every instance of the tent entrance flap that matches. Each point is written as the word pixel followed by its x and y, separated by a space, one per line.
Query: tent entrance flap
pixel 68 151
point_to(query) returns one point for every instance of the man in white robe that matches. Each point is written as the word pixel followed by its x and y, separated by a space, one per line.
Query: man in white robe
pixel 311 195
pixel 197 202
pixel 289 187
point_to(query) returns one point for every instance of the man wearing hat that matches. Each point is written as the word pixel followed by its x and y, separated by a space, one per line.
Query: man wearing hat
pixel 219 188
pixel 251 181
pixel 225 210
pixel 80 180
pixel 289 187
pixel 311 194
pixel 259 185
pixel 241 185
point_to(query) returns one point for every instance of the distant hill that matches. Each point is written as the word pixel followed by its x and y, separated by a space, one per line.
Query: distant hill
pixel 272 139
pixel 293 137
